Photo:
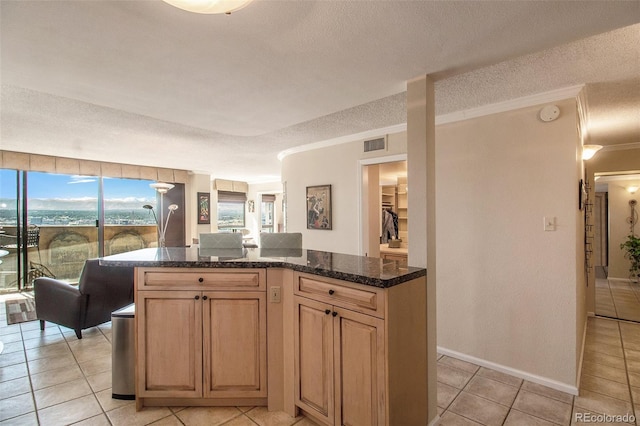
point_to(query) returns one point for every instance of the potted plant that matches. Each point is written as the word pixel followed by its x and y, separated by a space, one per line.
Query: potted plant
pixel 631 249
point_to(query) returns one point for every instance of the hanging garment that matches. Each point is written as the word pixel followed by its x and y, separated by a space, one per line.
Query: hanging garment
pixel 389 225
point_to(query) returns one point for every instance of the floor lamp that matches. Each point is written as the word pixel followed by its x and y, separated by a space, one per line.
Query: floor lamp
pixel 163 188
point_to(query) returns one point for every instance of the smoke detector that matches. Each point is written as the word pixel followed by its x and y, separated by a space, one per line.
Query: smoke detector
pixel 549 113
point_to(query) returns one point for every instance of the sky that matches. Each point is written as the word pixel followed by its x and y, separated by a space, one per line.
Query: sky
pixel 56 191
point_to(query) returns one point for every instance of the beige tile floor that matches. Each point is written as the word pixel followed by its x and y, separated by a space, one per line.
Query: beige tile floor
pixel 618 299
pixel 610 385
pixel 52 378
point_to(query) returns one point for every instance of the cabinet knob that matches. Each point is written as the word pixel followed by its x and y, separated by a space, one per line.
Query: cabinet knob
pixel 204 297
pixel 331 291
pixel 197 297
pixel 200 280
pixel 335 314
pixel 328 311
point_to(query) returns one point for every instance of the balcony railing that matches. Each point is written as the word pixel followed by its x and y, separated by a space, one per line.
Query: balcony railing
pixel 62 250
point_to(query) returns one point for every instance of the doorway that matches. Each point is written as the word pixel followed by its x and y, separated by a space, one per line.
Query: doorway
pixel 617 295
pixel 385 209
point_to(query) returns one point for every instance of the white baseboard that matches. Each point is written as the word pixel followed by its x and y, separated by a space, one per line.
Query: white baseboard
pixel 627 280
pixel 563 387
pixel 584 341
pixel 435 421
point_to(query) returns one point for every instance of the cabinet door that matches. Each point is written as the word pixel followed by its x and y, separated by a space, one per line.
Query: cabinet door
pixel 235 344
pixel 359 369
pixel 313 369
pixel 169 325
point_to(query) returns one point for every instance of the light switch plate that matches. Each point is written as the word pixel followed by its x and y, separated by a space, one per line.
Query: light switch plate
pixel 549 223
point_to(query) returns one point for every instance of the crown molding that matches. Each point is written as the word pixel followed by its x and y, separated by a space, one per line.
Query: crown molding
pixel 621 146
pixel 495 108
pixel 512 104
pixel 344 139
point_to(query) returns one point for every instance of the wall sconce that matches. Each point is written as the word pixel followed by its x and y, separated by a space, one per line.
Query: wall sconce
pixel 632 189
pixel 588 151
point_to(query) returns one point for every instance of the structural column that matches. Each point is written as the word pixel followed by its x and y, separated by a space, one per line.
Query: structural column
pixel 421 176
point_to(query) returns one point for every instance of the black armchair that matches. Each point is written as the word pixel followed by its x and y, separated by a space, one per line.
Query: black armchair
pixel 101 290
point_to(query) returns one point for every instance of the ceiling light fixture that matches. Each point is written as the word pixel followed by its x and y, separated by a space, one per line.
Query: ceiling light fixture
pixel 588 151
pixel 209 6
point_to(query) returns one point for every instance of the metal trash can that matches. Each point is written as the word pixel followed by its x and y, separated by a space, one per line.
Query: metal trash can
pixel 123 353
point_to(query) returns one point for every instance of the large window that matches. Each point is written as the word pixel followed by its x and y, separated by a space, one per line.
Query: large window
pixel 231 210
pixel 73 218
pixel 267 213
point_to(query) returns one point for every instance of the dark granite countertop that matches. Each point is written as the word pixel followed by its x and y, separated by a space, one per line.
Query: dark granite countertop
pixel 357 269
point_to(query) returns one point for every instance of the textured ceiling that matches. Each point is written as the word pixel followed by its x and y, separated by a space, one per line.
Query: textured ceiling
pixel 142 82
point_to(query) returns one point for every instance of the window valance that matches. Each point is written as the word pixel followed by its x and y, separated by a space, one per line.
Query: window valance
pixel 231 197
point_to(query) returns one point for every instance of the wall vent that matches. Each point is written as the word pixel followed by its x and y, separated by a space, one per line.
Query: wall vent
pixel 374 144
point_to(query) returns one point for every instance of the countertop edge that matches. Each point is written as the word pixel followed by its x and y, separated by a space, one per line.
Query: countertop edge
pixel 345 276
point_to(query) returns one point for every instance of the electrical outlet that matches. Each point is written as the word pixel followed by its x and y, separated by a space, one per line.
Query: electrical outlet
pixel 274 294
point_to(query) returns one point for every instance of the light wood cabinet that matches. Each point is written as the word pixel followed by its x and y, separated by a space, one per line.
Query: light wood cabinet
pixel 359 351
pixel 169 344
pixel 198 342
pixel 340 352
pixel 235 360
pixel 340 364
pixel 400 258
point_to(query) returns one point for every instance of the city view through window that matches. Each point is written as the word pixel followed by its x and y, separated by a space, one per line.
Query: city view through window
pixel 65 200
pixel 230 215
pixel 65 210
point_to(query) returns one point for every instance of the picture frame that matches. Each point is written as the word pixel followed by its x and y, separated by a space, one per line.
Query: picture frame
pixel 204 208
pixel 581 195
pixel 319 207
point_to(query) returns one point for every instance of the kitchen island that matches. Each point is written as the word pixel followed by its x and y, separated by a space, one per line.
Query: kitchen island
pixel 340 337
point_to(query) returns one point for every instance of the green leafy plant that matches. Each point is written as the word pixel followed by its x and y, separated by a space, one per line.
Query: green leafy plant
pixel 631 249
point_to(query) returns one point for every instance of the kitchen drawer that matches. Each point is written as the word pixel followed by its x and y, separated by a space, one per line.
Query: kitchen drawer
pixel 198 279
pixel 357 297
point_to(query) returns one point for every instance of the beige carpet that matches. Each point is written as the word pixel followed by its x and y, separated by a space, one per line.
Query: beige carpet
pixel 20 310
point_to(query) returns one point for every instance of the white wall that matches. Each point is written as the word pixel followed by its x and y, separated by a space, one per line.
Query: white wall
pixel 506 288
pixel 337 166
pixel 508 293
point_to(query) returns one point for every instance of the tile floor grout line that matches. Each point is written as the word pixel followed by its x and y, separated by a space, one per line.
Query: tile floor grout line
pixel 626 371
pixel 513 402
pixel 84 376
pixel 478 396
pixel 26 361
pixel 96 396
pixel 613 299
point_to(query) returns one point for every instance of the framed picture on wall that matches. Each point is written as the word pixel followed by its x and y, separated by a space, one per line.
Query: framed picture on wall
pixel 319 207
pixel 204 208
